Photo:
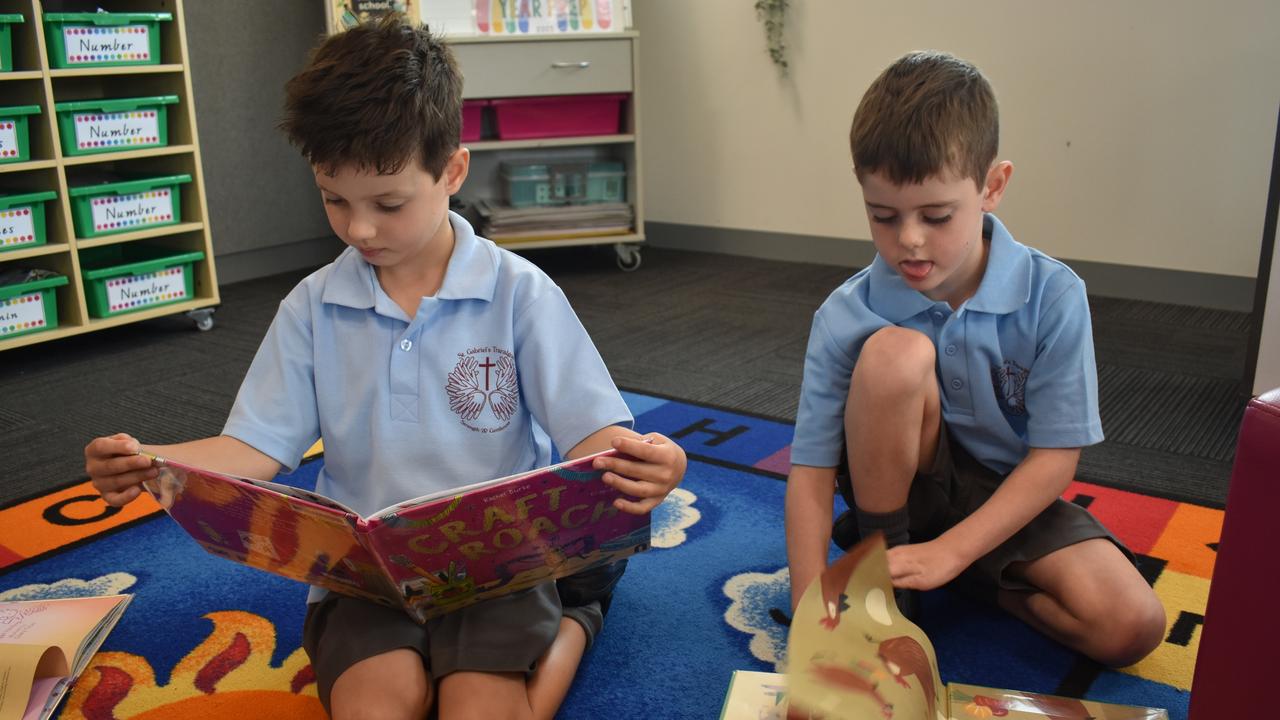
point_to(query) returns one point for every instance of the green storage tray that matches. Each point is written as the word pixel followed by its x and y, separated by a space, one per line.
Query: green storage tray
pixel 29 307
pixel 6 39
pixel 542 184
pixel 102 126
pixel 115 207
pixel 606 182
pixel 15 139
pixel 130 277
pixel 22 220
pixel 103 39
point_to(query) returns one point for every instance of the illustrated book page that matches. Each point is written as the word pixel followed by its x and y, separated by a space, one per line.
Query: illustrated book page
pixel 851 655
pixel 45 645
pixel 429 555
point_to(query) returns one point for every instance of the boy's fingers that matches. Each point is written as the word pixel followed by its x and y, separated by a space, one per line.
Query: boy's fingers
pixel 636 507
pixel 648 447
pixel 634 488
pixel 123 497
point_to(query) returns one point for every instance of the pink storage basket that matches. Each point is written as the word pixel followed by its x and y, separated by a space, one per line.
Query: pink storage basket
pixel 558 115
pixel 472 119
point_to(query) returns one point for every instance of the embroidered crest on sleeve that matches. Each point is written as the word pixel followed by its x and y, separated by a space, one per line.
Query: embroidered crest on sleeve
pixel 1010 380
pixel 484 379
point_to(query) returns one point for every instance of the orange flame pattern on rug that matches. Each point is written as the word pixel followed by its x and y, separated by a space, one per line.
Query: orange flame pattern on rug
pixel 229 674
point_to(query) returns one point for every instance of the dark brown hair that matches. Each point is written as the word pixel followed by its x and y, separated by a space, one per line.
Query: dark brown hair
pixel 376 97
pixel 927 112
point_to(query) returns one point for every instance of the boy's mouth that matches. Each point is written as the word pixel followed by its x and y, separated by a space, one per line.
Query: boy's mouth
pixel 915 269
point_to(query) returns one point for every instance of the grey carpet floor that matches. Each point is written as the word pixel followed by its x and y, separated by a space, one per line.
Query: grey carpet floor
pixel 711 329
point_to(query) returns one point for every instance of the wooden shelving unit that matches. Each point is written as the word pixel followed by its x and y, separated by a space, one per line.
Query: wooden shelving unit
pixel 35 82
pixel 499 66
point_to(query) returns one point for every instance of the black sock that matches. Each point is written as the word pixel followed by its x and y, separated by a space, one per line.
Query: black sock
pixel 894 524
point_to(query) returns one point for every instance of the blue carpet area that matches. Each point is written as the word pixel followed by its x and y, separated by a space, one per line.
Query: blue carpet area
pixel 710 598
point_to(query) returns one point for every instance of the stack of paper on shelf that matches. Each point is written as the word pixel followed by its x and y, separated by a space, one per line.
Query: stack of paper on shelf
pixel 502 223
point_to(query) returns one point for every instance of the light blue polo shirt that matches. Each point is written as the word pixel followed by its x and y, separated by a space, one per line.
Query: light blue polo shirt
pixel 466 390
pixel 1015 362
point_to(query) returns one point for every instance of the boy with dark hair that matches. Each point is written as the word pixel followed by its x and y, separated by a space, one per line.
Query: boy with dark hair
pixel 956 378
pixel 427 358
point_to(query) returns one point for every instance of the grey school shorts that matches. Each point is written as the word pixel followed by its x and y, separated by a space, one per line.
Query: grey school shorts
pixel 506 634
pixel 955 487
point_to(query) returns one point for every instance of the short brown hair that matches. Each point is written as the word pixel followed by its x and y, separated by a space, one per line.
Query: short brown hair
pixel 927 112
pixel 375 97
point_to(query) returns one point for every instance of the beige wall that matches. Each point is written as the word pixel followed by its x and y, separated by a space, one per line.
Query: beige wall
pixel 1141 131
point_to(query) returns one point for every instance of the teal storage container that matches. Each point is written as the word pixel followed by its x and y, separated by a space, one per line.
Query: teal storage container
pixel 29 307
pixel 15 136
pixel 129 277
pixel 103 39
pixel 102 126
pixel 124 206
pixel 542 184
pixel 606 182
pixel 7 20
pixel 22 220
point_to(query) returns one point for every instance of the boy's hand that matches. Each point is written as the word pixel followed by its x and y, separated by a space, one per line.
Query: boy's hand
pixel 656 466
pixel 116 468
pixel 924 566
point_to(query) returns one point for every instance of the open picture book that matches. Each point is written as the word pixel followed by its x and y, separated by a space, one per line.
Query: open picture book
pixel 429 555
pixel 45 645
pixel 851 655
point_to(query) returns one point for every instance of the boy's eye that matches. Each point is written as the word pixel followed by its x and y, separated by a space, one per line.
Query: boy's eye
pixel 937 220
pixel 389 208
pixel 884 219
pixel 334 201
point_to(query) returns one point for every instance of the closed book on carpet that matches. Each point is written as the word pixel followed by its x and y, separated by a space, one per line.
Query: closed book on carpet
pixel 429 555
pixel 853 655
pixel 45 645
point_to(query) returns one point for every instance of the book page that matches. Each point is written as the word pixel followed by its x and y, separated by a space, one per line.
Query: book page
pixel 852 655
pixel 20 666
pixel 63 623
pixel 979 701
pixel 286 533
pixel 45 691
pixel 755 696
pixel 501 536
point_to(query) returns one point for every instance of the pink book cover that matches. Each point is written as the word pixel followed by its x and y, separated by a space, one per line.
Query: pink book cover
pixel 429 555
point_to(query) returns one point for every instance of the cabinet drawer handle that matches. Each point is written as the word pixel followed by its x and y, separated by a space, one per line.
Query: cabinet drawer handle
pixel 566 65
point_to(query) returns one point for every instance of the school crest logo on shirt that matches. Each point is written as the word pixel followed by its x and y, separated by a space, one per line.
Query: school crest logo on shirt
pixel 1011 383
pixel 483 389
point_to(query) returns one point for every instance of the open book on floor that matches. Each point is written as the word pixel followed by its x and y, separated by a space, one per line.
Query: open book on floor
pixel 429 555
pixel 45 645
pixel 853 656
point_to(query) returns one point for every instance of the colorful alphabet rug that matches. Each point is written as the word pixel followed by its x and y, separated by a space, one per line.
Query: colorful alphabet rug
pixel 208 638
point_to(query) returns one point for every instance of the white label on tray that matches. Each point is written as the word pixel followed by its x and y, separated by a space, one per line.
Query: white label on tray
pixel 135 291
pixel 93 44
pixel 8 139
pixel 20 314
pixel 136 127
pixel 116 212
pixel 17 227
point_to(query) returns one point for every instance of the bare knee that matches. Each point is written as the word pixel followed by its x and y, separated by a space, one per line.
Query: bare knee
pixel 468 695
pixel 895 361
pixel 393 686
pixel 389 703
pixel 1126 629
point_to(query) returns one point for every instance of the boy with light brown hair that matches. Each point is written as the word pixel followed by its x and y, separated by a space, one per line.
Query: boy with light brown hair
pixel 950 386
pixel 427 358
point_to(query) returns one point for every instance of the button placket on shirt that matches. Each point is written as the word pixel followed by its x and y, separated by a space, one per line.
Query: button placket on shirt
pixel 405 374
pixel 952 363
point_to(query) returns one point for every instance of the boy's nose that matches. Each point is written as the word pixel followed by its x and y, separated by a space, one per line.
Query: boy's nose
pixel 360 229
pixel 911 236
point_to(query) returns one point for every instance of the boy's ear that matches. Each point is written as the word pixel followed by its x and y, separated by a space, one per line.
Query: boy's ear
pixel 997 182
pixel 456 168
